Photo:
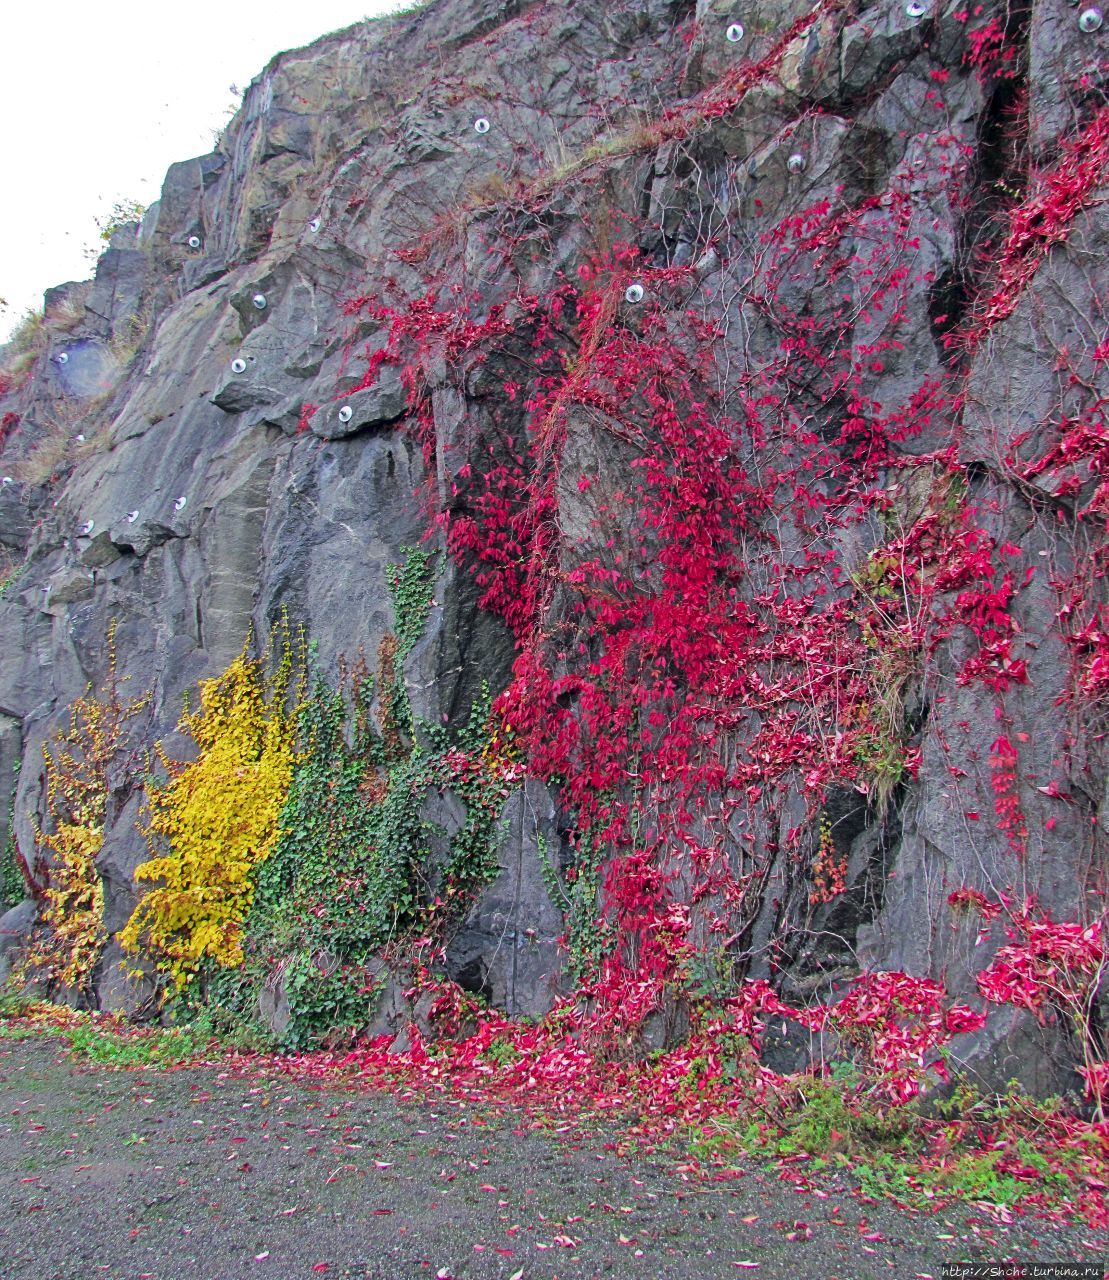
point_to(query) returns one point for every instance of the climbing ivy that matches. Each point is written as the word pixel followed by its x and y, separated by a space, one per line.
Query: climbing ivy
pixel 337 886
pixel 13 888
pixel 350 874
pixel 76 766
pixel 475 764
pixel 411 587
pixel 577 893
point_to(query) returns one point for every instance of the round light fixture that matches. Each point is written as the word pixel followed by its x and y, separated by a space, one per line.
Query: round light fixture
pixel 346 413
pixel 62 358
pixel 481 125
pixel 634 293
pixel 238 366
pixel 797 162
pixel 915 9
pixel 87 528
pixel 194 242
pixel 1090 20
pixel 132 516
pixel 179 505
pixel 258 302
pixel 735 32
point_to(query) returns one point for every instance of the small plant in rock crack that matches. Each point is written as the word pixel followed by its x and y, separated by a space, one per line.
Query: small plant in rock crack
pixel 28 341
pixel 124 213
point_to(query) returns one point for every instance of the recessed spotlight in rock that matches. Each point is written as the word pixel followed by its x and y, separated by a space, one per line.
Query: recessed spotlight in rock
pixel 132 516
pixel 314 225
pixel 7 480
pixel 481 125
pixel 80 437
pixel 179 505
pixel 62 358
pixel 194 242
pixel 238 365
pixel 1090 20
pixel 915 9
pixel 346 413
pixel 87 528
pixel 797 162
pixel 735 32
pixel 258 302
pixel 634 293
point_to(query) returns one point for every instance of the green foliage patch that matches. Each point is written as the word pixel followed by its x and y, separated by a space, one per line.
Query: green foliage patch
pixel 354 867
pixel 12 886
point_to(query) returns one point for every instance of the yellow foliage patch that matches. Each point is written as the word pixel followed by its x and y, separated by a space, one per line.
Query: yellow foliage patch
pixel 76 765
pixel 215 819
pixel 73 908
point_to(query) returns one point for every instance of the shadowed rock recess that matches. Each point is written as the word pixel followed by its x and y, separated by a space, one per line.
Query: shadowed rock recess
pixel 734 374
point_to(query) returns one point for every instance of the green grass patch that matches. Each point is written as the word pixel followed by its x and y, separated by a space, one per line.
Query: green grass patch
pixel 155 1048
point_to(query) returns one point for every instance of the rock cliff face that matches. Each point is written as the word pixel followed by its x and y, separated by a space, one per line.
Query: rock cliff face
pixel 744 365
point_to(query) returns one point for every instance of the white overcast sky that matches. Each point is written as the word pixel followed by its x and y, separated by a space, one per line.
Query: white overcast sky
pixel 98 100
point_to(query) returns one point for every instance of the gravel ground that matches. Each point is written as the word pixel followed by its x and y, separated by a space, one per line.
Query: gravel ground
pixel 197 1175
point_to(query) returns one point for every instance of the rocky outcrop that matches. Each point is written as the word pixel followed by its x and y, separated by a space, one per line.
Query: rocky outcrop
pixel 457 265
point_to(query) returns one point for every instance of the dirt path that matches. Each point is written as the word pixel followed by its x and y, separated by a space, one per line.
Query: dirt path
pixel 197 1175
